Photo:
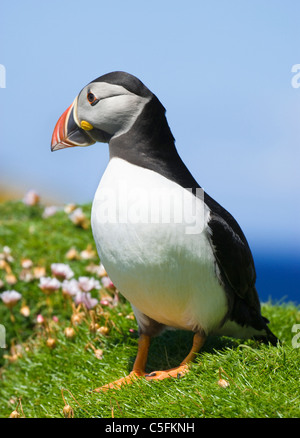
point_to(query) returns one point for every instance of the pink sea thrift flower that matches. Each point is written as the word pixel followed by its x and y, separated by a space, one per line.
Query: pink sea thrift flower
pixel 26 263
pixel 86 284
pixel 49 211
pixel 98 270
pixel 6 255
pixel 49 285
pixel 70 287
pixel 77 216
pixel 105 302
pixel 69 208
pixel 107 283
pixel 62 271
pixel 88 253
pixel 10 298
pixel 26 275
pixel 40 319
pixel 86 299
pixel 31 198
pixel 39 271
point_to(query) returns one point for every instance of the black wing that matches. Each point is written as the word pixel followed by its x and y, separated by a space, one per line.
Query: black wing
pixel 236 266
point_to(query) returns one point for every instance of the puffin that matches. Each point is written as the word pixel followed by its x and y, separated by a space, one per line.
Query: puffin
pixel 179 257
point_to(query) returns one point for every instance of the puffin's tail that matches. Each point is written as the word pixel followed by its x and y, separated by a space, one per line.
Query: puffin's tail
pixel 269 337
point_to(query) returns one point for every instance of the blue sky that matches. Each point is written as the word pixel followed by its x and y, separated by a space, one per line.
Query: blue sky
pixel 221 68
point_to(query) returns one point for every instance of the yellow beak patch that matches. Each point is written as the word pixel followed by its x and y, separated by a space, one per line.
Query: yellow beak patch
pixel 86 125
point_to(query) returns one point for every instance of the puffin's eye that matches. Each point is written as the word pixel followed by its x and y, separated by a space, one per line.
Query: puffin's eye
pixel 92 98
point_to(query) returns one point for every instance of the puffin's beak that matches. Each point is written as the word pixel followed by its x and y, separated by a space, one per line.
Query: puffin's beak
pixel 67 132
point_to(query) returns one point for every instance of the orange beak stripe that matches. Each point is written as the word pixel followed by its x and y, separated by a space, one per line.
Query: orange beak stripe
pixel 59 133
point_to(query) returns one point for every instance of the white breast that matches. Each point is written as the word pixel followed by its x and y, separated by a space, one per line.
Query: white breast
pixel 151 237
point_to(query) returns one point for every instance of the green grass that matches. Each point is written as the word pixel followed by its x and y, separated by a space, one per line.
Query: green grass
pixel 263 380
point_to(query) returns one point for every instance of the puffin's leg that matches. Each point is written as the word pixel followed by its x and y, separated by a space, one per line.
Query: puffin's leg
pixel 141 359
pixel 183 368
pixel 138 369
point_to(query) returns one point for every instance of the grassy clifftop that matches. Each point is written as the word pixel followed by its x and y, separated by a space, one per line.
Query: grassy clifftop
pixel 58 350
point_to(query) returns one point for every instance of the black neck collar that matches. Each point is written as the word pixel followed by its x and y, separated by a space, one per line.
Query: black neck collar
pixel 150 144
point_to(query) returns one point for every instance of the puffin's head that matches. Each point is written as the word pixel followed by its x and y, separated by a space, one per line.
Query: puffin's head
pixel 107 107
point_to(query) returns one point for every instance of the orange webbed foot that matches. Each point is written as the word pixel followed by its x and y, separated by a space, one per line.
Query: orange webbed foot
pixel 177 372
pixel 155 375
pixel 127 380
pixel 140 363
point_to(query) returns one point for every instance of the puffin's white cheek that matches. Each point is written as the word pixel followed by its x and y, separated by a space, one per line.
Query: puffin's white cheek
pixel 117 114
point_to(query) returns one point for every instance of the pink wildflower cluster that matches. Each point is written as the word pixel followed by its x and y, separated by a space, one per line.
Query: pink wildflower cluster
pixel 79 290
pixel 31 198
pixel 61 271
